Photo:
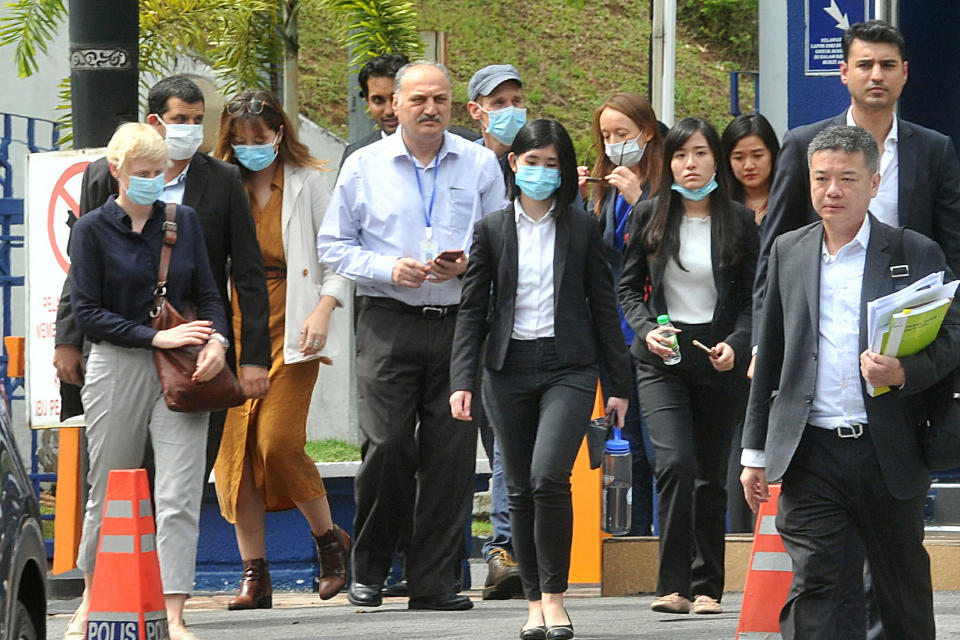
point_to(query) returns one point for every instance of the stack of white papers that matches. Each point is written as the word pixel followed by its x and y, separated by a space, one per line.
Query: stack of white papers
pixel 926 293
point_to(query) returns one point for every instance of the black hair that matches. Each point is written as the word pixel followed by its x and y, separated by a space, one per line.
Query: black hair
pixel 385 66
pixel 180 87
pixel 751 124
pixel 873 31
pixel 541 133
pixel 661 234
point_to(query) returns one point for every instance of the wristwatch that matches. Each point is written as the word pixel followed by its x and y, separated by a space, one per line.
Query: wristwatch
pixel 222 340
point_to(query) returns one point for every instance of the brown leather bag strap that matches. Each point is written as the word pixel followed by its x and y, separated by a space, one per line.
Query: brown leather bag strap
pixel 169 239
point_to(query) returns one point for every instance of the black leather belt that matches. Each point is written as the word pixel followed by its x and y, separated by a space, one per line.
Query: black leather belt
pixel 426 311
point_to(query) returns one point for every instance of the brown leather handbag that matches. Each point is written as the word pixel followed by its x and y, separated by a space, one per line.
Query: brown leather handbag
pixel 175 367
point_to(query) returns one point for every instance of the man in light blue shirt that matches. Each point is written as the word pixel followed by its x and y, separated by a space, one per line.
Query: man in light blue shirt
pixel 851 464
pixel 399 223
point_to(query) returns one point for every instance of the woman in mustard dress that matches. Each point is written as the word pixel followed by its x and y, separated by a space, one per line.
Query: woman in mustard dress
pixel 261 465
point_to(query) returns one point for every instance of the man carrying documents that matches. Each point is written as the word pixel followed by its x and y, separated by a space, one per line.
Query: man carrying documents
pixel 850 462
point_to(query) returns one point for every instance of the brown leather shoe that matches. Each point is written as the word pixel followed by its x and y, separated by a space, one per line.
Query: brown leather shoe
pixel 503 577
pixel 333 553
pixel 256 592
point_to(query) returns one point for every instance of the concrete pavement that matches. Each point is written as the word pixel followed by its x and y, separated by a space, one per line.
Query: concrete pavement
pixel 301 616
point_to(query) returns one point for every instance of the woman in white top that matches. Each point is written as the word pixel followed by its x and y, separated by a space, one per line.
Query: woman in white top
pixel 692 254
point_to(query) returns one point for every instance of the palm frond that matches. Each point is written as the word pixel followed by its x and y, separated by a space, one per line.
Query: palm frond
pixel 377 27
pixel 29 27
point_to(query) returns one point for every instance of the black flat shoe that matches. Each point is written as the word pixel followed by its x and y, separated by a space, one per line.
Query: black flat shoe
pixel 364 595
pixel 560 632
pixel 440 602
pixel 533 633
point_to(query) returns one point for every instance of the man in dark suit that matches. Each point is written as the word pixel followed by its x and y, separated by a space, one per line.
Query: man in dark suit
pixel 376 79
pixel 920 175
pixel 851 464
pixel 175 108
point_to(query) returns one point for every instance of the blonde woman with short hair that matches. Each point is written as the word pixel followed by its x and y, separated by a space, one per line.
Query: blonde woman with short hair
pixel 115 252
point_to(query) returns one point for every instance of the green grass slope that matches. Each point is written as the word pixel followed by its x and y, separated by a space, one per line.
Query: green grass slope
pixel 572 56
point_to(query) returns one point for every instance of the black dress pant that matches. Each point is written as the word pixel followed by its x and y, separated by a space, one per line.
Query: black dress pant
pixel 539 409
pixel 691 409
pixel 416 459
pixel 832 490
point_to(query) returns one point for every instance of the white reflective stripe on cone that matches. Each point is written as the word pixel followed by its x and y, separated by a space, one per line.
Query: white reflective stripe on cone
pixel 771 561
pixel 119 509
pixel 758 635
pixel 768 526
pixel 116 544
pixel 147 543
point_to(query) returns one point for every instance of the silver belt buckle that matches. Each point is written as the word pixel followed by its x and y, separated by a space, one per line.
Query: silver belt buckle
pixel 854 430
pixel 433 312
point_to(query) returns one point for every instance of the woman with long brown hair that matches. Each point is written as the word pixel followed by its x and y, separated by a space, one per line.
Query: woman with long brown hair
pixel 261 465
pixel 629 147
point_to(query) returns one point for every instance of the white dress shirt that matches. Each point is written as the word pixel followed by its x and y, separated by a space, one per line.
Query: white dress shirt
pixel 837 397
pixel 691 294
pixel 377 213
pixel 886 204
pixel 173 191
pixel 534 304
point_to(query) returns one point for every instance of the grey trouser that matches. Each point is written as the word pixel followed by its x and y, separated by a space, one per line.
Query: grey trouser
pixel 123 404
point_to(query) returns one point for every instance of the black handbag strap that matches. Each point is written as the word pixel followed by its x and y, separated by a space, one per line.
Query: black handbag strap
pixel 169 239
pixel 899 269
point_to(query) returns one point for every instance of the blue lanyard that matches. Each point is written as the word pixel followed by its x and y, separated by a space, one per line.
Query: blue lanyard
pixel 619 240
pixel 428 212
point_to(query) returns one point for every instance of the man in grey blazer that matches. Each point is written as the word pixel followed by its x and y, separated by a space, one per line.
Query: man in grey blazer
pixel 920 184
pixel 851 464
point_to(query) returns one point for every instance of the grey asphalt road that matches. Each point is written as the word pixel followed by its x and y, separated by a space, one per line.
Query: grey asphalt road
pixel 298 616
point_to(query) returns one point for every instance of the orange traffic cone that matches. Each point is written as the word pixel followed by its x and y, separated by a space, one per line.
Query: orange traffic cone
pixel 126 600
pixel 768 579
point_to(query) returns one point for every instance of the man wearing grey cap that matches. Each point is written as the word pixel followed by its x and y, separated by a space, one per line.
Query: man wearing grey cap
pixel 495 95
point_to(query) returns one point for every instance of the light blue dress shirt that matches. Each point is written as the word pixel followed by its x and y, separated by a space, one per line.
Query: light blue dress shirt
pixel 377 213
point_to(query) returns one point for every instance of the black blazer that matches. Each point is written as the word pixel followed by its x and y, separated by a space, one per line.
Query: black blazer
pixel 215 191
pixel 785 375
pixel 732 315
pixel 928 192
pixel 585 305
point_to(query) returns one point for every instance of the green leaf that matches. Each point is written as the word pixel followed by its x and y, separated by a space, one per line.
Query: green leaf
pixel 29 27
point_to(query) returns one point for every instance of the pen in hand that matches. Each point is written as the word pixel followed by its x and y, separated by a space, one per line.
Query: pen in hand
pixel 704 347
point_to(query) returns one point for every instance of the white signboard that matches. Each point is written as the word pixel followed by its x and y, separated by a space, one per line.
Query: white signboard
pixel 53 191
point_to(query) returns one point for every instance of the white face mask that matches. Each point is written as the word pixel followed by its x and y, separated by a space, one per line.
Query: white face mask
pixel 626 153
pixel 183 140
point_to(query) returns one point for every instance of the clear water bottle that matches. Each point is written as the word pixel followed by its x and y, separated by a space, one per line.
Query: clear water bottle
pixel 664 321
pixel 617 485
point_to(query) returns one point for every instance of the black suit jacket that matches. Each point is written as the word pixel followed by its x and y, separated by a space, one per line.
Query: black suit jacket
pixel 785 376
pixel 214 189
pixel 928 192
pixel 586 318
pixel 732 315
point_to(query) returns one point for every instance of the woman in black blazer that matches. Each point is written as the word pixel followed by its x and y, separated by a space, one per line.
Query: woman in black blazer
pixel 537 271
pixel 692 254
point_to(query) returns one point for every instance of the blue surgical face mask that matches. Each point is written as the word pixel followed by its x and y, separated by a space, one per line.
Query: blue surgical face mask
pixel 505 123
pixel 256 156
pixel 145 190
pixel 626 153
pixel 696 194
pixel 538 183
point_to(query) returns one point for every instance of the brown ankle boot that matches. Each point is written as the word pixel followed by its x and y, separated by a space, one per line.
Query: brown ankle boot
pixel 333 553
pixel 256 592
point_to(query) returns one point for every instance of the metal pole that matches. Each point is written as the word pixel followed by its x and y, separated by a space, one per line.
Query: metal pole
pixel 666 112
pixel 656 54
pixel 104 65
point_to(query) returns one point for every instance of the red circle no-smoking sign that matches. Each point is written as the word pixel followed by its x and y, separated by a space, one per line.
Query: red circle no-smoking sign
pixel 62 200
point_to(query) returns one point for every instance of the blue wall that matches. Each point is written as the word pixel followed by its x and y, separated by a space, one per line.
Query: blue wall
pixel 810 98
pixel 932 94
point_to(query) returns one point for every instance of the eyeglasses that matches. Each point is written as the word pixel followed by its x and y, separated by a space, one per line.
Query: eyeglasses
pixel 253 106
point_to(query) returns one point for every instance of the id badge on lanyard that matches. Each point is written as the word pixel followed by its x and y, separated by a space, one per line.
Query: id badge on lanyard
pixel 428 247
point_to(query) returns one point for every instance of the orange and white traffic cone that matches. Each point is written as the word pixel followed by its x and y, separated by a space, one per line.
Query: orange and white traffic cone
pixel 768 579
pixel 126 600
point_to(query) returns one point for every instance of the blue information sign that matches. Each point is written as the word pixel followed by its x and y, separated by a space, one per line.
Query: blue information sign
pixel 826 22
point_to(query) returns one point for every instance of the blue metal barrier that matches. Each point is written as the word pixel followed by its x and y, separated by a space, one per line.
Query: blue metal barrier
pixel 18 130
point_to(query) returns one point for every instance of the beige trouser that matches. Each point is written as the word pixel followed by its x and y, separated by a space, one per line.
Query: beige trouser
pixel 123 403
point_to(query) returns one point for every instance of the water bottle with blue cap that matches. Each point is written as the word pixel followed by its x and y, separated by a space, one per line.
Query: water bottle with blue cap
pixel 617 484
